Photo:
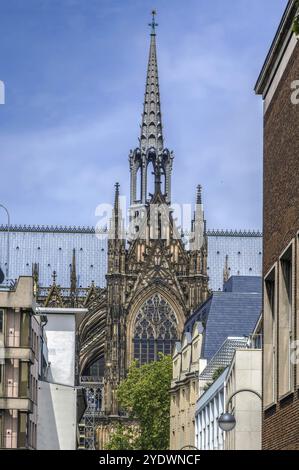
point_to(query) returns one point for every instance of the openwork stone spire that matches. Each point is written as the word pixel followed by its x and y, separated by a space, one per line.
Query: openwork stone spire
pixel 151 127
pixel 151 158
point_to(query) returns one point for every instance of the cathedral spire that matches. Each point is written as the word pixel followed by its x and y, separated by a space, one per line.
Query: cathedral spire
pixel 151 127
pixel 150 157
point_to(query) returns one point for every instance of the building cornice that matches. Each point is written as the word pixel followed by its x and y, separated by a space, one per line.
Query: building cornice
pixel 277 49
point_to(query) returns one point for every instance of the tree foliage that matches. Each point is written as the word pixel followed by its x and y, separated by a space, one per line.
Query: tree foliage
pixel 123 438
pixel 215 376
pixel 296 21
pixel 144 395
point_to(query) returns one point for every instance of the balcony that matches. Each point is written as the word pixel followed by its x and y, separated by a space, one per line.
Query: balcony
pixel 14 403
pixel 24 354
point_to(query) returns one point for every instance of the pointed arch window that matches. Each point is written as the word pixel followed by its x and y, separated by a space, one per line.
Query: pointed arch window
pixel 155 330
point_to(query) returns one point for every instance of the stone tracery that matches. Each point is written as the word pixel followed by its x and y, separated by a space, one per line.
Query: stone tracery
pixel 155 329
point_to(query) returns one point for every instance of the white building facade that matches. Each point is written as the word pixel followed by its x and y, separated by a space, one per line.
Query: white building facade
pixel 58 390
pixel 209 407
pixel 237 391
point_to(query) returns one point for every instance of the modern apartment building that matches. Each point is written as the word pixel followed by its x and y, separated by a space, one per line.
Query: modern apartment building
pixel 41 401
pixel 19 366
pixel 240 376
pixel 278 84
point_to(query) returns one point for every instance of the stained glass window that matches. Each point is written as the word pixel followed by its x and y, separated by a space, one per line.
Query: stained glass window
pixel 155 330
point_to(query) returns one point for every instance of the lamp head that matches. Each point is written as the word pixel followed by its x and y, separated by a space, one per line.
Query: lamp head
pixel 227 422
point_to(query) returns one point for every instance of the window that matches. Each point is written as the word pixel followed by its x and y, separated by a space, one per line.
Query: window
pixel 25 330
pixel 24 380
pixel 1 430
pixel 1 328
pixel 22 430
pixel 95 369
pixel 1 380
pixel 285 322
pixel 155 330
pixel 1 321
pixel 270 341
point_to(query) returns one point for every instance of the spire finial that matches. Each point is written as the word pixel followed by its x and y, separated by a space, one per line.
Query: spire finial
pixel 198 195
pixel 54 276
pixel 153 24
pixel 117 186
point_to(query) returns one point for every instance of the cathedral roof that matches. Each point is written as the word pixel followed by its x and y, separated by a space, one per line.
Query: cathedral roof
pixel 52 248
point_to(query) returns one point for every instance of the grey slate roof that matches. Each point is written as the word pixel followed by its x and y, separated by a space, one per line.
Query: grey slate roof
pixel 52 248
pixel 227 314
pixel 243 284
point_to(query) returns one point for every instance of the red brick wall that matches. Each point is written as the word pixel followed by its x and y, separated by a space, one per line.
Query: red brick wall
pixel 281 167
pixel 281 223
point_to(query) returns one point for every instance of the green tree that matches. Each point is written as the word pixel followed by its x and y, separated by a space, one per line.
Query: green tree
pixel 296 21
pixel 123 438
pixel 144 395
pixel 215 376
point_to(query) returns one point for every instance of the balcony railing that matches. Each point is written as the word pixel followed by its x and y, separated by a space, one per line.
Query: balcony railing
pixel 91 380
pixel 15 352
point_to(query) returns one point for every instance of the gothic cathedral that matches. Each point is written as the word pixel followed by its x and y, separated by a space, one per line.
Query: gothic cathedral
pixel 153 281
pixel 155 278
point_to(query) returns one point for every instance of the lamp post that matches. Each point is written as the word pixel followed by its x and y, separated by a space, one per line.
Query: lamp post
pixel 227 421
pixel 189 447
pixel 8 240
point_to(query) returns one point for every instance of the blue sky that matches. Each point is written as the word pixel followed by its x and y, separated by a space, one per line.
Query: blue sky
pixel 74 72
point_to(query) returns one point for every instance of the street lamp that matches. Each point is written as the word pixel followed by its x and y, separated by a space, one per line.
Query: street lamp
pixel 8 239
pixel 227 421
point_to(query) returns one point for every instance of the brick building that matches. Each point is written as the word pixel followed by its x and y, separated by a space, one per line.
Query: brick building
pixel 278 85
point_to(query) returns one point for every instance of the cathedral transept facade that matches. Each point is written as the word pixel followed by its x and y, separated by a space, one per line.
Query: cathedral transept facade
pixel 153 281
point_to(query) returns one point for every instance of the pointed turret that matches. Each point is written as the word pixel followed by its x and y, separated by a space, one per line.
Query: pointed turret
pixel 116 241
pixel 115 221
pixel 226 271
pixel 35 275
pixel 198 228
pixel 73 273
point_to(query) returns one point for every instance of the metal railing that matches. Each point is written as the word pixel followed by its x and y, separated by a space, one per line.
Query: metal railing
pixel 91 379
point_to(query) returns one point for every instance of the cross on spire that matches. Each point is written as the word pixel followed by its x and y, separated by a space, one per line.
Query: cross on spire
pixel 153 24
